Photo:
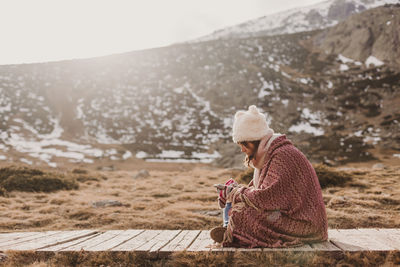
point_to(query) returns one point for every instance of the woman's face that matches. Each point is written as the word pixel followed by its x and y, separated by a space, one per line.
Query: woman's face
pixel 247 148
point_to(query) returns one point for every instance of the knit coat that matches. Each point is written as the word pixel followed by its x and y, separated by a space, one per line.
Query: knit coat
pixel 286 209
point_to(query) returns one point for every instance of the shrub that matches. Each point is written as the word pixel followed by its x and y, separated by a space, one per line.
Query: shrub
pixel 328 176
pixel 34 180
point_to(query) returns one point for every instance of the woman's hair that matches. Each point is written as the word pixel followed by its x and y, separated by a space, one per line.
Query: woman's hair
pixel 251 157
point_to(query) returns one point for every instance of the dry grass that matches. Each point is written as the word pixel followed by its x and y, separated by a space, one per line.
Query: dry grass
pixel 185 199
pixel 206 259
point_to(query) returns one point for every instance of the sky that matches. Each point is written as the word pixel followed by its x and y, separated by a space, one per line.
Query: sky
pixel 51 30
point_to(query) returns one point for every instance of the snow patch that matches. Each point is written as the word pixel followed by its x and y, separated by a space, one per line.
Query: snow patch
pixel 308 119
pixel 344 59
pixel 24 160
pixel 306 127
pixel 372 139
pixel 343 67
pixel 42 146
pixel 373 60
pixel 141 155
pixel 170 154
pixel 358 133
pixel 127 155
pixel 305 80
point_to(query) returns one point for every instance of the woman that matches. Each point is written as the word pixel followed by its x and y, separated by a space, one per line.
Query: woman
pixel 282 206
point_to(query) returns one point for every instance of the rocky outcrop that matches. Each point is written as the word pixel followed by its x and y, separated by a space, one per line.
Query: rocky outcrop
pixel 375 32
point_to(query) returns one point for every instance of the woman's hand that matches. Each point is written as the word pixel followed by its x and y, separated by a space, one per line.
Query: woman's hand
pixel 224 192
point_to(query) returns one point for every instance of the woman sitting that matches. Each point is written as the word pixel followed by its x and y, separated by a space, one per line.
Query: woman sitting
pixel 282 206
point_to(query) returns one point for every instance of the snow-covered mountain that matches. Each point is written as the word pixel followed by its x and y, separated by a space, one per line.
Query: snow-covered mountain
pixel 178 102
pixel 317 16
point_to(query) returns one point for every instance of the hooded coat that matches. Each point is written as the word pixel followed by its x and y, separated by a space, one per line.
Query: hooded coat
pixel 285 208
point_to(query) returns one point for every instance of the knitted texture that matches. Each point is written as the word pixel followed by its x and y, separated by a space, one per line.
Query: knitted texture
pixel 285 210
pixel 250 125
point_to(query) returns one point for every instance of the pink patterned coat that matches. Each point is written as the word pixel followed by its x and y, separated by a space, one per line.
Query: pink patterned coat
pixel 286 209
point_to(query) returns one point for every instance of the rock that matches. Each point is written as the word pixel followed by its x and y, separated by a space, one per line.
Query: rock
pixel 106 168
pixel 213 213
pixel 210 212
pixel 339 201
pixel 106 203
pixel 340 10
pixel 378 166
pixel 141 174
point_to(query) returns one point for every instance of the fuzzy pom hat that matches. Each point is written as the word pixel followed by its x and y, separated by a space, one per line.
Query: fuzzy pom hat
pixel 250 125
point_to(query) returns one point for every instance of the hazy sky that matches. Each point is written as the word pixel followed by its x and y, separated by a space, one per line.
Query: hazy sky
pixel 48 30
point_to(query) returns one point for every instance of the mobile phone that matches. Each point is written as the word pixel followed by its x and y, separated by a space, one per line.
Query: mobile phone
pixel 220 186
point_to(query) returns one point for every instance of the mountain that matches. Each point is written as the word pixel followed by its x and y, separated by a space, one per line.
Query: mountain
pixel 359 37
pixel 178 102
pixel 308 18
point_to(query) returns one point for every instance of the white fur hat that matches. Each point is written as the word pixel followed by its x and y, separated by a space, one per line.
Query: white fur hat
pixel 250 125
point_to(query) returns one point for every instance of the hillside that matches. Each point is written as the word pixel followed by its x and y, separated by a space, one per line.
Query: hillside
pixel 318 16
pixel 178 102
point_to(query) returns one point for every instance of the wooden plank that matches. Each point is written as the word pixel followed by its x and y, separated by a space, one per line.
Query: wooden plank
pixel 7 237
pixel 354 240
pixel 305 247
pixel 164 238
pixel 47 241
pixel 181 241
pixel 395 233
pixel 214 248
pixel 137 241
pixel 203 242
pixel 386 237
pixel 11 239
pixel 30 238
pixel 117 240
pixel 325 246
pixel 392 230
pixel 339 239
pixel 167 241
pixel 159 241
pixel 243 249
pixel 92 242
pixel 61 246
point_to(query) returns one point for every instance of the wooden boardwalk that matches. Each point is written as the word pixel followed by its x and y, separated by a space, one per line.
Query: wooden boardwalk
pixel 165 242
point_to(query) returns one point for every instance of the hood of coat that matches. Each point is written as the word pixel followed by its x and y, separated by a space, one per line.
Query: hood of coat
pixel 266 148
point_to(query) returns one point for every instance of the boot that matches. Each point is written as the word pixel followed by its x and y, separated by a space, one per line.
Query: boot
pixel 217 234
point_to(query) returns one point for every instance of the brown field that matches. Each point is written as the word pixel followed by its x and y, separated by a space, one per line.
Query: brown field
pixel 181 196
